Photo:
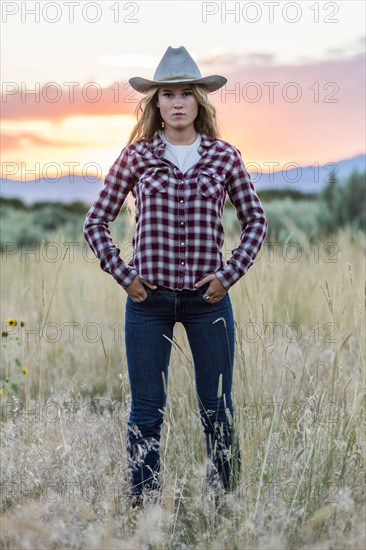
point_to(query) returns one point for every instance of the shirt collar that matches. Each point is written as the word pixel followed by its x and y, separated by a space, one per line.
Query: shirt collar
pixel 157 145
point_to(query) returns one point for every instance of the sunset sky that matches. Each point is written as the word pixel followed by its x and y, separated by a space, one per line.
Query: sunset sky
pixel 295 70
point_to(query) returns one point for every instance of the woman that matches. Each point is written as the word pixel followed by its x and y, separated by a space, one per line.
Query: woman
pixel 179 173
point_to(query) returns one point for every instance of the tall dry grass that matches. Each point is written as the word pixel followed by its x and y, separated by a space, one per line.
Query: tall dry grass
pixel 299 392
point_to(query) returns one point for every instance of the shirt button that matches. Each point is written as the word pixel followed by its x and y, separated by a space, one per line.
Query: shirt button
pixel 182 181
pixel 181 223
pixel 181 200
pixel 182 263
pixel 182 244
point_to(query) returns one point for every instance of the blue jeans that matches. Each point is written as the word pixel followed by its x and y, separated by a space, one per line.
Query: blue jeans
pixel 148 334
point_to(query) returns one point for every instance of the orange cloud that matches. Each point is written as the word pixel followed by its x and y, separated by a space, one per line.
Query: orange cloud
pixel 29 139
pixel 306 113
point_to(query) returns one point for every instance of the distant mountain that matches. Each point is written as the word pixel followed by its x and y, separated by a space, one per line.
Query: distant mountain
pixel 306 179
pixel 61 190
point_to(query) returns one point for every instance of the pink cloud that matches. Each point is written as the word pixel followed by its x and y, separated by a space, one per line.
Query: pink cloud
pixel 327 120
pixel 88 99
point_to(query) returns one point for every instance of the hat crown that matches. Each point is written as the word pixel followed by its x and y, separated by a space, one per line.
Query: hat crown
pixel 175 64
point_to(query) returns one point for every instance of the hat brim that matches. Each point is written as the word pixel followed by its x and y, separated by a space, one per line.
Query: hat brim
pixel 212 83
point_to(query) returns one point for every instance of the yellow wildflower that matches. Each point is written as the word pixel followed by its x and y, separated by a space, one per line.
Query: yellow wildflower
pixel 12 322
pixel 25 371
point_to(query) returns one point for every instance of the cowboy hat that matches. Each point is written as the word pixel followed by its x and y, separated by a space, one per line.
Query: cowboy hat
pixel 177 66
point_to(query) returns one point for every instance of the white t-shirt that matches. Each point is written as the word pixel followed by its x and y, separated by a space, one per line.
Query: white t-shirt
pixel 183 156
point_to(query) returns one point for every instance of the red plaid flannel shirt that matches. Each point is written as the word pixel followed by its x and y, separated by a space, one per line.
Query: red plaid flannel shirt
pixel 179 233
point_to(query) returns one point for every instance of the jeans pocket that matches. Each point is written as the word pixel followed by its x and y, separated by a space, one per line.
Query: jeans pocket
pixel 148 292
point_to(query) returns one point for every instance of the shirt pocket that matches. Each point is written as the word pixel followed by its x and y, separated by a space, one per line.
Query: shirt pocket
pixel 154 180
pixel 210 184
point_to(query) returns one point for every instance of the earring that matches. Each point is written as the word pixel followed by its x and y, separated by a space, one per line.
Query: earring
pixel 162 124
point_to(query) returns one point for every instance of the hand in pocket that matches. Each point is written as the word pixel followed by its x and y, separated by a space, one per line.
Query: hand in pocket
pixel 136 289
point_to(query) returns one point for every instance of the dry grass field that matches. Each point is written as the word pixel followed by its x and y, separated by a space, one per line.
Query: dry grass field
pixel 299 393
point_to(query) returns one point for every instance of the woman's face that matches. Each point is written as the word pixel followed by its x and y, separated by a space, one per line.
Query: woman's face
pixel 178 106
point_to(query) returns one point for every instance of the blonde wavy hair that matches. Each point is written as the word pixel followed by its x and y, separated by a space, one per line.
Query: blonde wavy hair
pixel 149 118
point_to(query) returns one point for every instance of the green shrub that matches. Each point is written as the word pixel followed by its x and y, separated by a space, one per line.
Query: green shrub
pixel 343 204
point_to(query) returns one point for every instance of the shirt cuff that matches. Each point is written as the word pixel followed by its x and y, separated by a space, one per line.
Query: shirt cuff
pixel 124 275
pixel 227 276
